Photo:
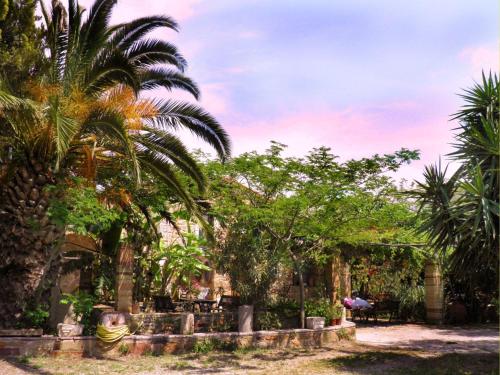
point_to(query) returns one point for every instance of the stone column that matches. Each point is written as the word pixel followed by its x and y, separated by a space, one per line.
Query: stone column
pixel 245 318
pixel 433 292
pixel 345 279
pixel 187 324
pixel 124 278
pixel 339 278
pixel 333 278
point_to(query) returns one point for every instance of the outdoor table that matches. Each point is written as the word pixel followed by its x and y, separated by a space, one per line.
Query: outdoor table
pixel 205 304
pixel 187 304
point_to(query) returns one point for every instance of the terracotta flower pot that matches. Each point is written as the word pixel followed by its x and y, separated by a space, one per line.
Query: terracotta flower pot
pixel 136 308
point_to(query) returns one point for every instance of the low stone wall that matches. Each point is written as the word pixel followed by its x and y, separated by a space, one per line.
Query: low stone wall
pixel 169 323
pixel 88 346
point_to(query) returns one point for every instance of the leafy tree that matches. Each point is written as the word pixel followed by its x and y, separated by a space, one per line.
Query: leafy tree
pixel 20 56
pixel 299 211
pixel 461 212
pixel 81 116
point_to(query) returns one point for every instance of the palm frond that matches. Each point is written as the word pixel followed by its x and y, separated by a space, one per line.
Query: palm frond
pixel 174 115
pixel 151 52
pixel 65 128
pixel 113 125
pixel 125 34
pixel 169 79
pixel 157 165
pixel 169 147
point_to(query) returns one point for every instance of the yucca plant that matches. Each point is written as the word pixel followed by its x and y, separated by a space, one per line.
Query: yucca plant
pixel 462 212
pixel 82 115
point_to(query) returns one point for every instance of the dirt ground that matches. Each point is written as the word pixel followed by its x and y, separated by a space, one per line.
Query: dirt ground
pixel 474 339
pixel 379 349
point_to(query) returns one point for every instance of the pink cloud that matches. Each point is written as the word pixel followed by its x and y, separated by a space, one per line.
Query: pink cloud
pixel 215 98
pixel 127 10
pixel 483 57
pixel 354 132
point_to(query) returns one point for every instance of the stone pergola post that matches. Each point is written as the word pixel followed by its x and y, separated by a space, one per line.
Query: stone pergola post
pixel 124 278
pixel 339 278
pixel 433 292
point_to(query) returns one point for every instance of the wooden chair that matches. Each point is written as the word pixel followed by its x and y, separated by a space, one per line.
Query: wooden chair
pixel 165 304
pixel 228 303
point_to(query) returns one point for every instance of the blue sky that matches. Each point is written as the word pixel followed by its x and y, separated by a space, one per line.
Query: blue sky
pixel 358 76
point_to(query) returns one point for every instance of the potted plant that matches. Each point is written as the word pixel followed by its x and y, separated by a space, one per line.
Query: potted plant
pixel 337 313
pixel 83 304
pixel 317 313
pixel 329 313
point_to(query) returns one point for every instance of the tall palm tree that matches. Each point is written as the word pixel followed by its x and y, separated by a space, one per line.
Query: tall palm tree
pixel 462 211
pixel 81 114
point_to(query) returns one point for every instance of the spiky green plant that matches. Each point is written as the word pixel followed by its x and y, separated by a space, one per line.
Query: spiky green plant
pixel 462 212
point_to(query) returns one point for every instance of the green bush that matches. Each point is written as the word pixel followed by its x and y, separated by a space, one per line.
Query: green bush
pixel 37 317
pixel 268 320
pixel 411 302
pixel 123 349
pixel 321 307
pixel 83 304
pixel 287 307
pixel 342 334
pixel 210 345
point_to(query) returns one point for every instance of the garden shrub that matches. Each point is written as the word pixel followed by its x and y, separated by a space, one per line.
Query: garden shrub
pixel 342 334
pixel 286 307
pixel 321 307
pixel 210 345
pixel 267 320
pixel 83 304
pixel 123 349
pixel 411 302
pixel 36 318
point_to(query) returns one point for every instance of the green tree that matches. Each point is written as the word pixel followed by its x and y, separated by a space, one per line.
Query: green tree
pixel 81 116
pixel 20 56
pixel 461 212
pixel 298 211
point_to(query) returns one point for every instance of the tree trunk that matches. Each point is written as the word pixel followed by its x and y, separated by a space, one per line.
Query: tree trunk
pixel 301 298
pixel 29 242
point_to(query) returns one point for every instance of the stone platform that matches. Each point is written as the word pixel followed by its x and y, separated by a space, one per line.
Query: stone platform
pixel 89 346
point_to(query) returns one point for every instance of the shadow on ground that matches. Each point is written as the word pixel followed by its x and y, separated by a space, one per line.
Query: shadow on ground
pixel 413 363
pixel 19 365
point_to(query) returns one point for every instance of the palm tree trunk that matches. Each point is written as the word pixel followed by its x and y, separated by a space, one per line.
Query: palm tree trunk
pixel 28 242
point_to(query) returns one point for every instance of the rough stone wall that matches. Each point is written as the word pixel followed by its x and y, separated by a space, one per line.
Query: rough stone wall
pixel 162 344
pixel 169 323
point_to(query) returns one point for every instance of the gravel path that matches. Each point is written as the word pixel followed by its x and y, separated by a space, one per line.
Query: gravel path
pixel 475 339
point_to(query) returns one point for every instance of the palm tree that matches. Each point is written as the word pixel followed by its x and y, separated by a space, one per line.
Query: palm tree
pixel 462 211
pixel 80 115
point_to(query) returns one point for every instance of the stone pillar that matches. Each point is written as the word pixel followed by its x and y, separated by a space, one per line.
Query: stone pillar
pixel 333 278
pixel 345 279
pixel 187 324
pixel 124 278
pixel 339 278
pixel 245 318
pixel 433 293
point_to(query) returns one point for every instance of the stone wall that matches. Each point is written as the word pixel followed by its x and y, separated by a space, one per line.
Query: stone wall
pixel 169 323
pixel 162 344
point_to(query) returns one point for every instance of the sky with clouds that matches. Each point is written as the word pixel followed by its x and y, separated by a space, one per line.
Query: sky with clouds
pixel 359 76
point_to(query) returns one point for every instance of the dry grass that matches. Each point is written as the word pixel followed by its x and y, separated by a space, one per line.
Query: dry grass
pixel 347 358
